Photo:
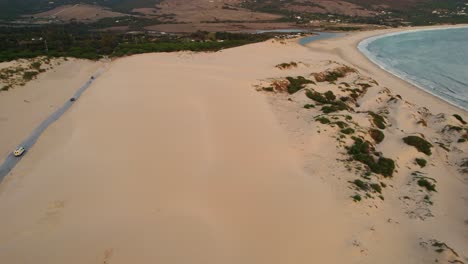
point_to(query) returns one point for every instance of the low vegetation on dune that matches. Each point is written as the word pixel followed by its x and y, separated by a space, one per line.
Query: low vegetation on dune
pixel 419 143
pixel 347 131
pixel 328 99
pixel 427 184
pixel 333 75
pixel 323 120
pixel 378 120
pixel 360 140
pixel 285 65
pixel 22 72
pixel 421 162
pixel 296 84
pixel 364 152
pixel 377 135
pixel 459 118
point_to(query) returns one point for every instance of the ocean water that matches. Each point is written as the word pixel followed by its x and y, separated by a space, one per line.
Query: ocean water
pixel 433 60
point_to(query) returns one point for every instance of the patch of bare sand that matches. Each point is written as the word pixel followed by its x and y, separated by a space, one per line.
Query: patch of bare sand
pixel 22 108
pixel 169 158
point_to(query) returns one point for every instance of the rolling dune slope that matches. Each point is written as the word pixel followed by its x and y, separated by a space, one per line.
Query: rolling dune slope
pixel 167 159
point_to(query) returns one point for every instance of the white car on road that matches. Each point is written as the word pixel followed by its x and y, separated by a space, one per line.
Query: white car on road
pixel 19 151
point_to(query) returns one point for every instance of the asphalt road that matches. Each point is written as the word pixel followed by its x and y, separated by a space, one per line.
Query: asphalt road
pixel 11 161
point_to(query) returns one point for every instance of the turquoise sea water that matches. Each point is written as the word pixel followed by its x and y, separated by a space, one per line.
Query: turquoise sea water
pixel 434 60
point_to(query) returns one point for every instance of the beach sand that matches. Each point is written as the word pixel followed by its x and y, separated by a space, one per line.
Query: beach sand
pixel 23 108
pixel 177 158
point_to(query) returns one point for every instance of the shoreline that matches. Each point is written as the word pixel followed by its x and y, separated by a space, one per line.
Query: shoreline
pixel 362 47
pixel 350 53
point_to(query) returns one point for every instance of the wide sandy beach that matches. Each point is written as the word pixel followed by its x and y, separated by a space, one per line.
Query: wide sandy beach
pixel 184 158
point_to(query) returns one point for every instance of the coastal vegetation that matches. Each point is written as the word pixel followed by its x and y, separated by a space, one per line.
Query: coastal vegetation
pixel 328 99
pixel 421 162
pixel 378 120
pixel 323 120
pixel 419 143
pixel 296 84
pixel 80 41
pixel 364 152
pixel 425 183
pixel 286 65
pixel 357 198
pixel 21 72
pixel 459 118
pixel 347 131
pixel 333 75
pixel 377 135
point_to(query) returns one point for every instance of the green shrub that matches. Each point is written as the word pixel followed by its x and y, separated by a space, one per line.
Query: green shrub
pixel 450 128
pixel 329 109
pixel 459 119
pixel 29 75
pixel 347 131
pixel 362 151
pixel 361 185
pixel 333 75
pixel 285 65
pixel 376 187
pixel 330 96
pixel 461 140
pixel 378 120
pixel 340 105
pixel 386 166
pixel 421 162
pixel 296 84
pixel 323 120
pixel 419 143
pixel 360 147
pixel 426 184
pixel 335 107
pixel 308 106
pixel 345 84
pixel 377 135
pixel 364 85
pixel 316 96
pixel 357 198
pixel 5 88
pixel 341 124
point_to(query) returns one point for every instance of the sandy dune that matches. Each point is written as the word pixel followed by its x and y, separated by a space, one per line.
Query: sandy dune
pixel 173 168
pixel 176 158
pixel 23 108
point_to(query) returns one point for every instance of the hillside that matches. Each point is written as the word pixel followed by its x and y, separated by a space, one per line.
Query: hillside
pixel 387 12
pixel 10 9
